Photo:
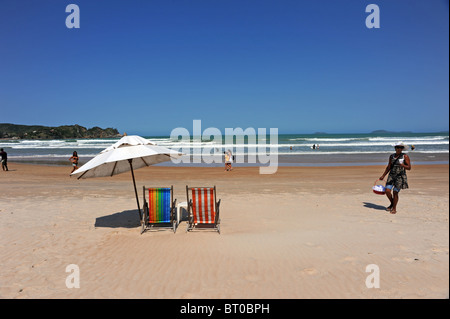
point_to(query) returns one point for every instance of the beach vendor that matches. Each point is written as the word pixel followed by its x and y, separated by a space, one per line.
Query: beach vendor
pixel 397 180
pixel 74 159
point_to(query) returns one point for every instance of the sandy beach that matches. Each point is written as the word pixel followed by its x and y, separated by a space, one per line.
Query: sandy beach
pixel 304 232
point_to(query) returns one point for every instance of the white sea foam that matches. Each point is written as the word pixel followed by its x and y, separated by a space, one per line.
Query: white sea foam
pixel 301 145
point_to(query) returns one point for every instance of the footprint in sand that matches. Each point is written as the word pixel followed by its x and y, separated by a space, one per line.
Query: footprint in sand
pixel 252 278
pixel 406 259
pixel 39 264
pixel 440 250
pixel 312 245
pixel 349 259
pixel 309 271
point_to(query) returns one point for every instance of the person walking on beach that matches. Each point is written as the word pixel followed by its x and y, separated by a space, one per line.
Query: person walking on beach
pixel 225 155
pixel 4 156
pixel 74 159
pixel 397 180
pixel 228 159
pixel 230 156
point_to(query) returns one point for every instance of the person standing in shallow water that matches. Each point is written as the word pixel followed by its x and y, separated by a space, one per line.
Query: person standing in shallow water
pixel 397 180
pixel 74 159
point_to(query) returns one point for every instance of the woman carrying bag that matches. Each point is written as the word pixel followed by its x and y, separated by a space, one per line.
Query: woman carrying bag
pixel 397 180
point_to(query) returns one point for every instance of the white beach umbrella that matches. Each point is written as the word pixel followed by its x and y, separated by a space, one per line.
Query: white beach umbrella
pixel 130 152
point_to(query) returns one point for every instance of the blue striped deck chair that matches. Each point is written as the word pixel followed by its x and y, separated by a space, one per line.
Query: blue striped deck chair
pixel 160 209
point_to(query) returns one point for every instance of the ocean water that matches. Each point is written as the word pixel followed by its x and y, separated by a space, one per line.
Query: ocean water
pixel 290 149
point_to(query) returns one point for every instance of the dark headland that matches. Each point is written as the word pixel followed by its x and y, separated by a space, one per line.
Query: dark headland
pixel 34 132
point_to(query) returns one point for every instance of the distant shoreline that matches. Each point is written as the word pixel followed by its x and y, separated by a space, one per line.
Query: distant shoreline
pixel 319 160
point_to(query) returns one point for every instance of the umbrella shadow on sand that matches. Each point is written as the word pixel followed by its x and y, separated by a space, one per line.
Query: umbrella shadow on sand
pixel 374 206
pixel 125 219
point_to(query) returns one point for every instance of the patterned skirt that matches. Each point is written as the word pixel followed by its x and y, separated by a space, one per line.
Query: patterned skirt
pixel 398 178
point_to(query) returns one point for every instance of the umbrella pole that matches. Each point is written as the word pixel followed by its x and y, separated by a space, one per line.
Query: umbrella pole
pixel 135 190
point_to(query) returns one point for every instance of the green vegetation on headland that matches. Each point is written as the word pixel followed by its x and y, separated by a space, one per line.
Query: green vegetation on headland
pixel 33 132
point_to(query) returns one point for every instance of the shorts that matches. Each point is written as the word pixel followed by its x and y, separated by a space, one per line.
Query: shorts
pixel 392 187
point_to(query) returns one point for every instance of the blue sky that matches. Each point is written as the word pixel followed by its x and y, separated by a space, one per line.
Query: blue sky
pixel 147 67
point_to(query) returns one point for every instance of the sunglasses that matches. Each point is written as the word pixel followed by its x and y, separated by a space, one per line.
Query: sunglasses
pixel 402 147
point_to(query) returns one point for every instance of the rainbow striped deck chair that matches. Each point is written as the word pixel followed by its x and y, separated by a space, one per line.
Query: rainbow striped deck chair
pixel 160 210
pixel 203 208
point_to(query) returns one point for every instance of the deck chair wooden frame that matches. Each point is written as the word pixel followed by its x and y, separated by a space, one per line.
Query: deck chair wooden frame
pixel 203 208
pixel 148 222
